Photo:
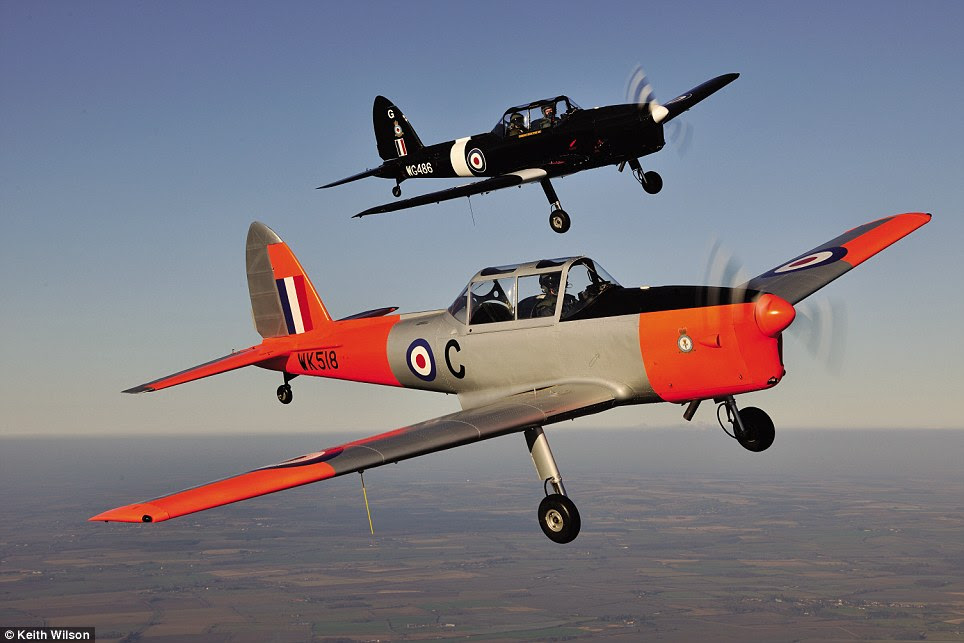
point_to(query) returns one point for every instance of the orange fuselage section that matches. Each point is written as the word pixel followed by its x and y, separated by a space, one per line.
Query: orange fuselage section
pixel 709 352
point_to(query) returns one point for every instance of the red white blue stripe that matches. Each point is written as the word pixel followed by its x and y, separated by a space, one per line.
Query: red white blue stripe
pixel 294 303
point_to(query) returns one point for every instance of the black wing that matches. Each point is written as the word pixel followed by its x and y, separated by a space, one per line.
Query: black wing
pixel 479 187
pixel 686 100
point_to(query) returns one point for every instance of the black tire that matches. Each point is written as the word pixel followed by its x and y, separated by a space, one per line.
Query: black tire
pixel 396 191
pixel 559 518
pixel 284 394
pixel 758 431
pixel 559 221
pixel 653 183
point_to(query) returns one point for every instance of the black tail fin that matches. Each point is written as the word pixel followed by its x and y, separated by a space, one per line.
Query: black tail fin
pixel 394 135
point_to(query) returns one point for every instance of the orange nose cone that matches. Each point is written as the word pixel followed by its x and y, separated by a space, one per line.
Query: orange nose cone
pixel 773 314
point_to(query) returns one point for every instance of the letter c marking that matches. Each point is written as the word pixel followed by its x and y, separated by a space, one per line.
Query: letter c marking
pixel 448 360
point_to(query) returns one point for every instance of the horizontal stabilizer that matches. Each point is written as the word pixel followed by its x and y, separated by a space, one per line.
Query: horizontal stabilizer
pixel 802 276
pixel 479 187
pixel 238 359
pixel 376 312
pixel 378 171
pixel 508 415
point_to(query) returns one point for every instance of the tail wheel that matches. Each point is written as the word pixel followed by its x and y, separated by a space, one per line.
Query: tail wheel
pixel 559 518
pixel 284 394
pixel 758 432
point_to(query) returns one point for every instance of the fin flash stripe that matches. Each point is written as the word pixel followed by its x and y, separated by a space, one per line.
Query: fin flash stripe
pixel 294 303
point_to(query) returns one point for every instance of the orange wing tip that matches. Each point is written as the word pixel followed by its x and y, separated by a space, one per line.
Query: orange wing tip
pixel 888 231
pixel 141 512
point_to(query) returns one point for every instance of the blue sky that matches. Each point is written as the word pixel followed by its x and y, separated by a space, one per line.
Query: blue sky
pixel 138 141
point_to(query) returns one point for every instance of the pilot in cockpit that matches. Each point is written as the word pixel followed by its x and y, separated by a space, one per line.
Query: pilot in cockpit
pixel 517 124
pixel 546 306
pixel 548 116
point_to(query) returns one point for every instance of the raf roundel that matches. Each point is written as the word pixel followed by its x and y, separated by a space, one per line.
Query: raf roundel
pixel 812 260
pixel 476 160
pixel 420 360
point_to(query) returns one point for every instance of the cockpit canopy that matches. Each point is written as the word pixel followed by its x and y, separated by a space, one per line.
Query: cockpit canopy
pixel 535 116
pixel 531 291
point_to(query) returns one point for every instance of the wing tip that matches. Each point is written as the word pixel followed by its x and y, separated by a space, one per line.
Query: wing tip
pixel 140 512
pixel 143 388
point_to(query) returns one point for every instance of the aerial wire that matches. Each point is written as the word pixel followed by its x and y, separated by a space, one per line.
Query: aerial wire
pixel 367 508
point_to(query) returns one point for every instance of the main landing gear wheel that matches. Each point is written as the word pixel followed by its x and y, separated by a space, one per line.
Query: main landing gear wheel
pixel 752 427
pixel 757 432
pixel 284 394
pixel 397 191
pixel 652 182
pixel 559 518
pixel 559 221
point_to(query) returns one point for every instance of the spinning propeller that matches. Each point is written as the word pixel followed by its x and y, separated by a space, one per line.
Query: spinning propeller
pixel 640 92
pixel 820 323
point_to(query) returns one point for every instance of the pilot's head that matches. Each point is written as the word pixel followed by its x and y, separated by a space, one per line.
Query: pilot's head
pixel 548 111
pixel 549 282
pixel 516 119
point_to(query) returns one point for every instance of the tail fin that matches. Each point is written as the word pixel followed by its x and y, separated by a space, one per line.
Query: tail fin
pixel 394 135
pixel 283 299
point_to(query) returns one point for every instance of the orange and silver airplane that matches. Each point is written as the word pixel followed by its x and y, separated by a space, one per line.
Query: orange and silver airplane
pixel 523 346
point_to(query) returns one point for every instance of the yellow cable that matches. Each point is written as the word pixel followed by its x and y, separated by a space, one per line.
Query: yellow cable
pixel 367 509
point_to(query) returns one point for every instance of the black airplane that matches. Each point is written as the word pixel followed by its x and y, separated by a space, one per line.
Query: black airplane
pixel 538 141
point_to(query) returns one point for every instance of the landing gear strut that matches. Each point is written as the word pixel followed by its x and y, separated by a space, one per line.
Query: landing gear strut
pixel 651 181
pixel 284 391
pixel 752 427
pixel 558 516
pixel 558 219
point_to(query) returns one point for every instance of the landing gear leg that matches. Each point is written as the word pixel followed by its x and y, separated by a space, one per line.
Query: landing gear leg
pixel 558 219
pixel 651 181
pixel 558 516
pixel 752 427
pixel 284 391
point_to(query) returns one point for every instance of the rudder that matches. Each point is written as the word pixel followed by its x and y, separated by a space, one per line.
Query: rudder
pixel 283 299
pixel 394 135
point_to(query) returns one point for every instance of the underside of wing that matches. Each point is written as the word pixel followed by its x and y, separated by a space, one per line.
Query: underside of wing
pixel 683 102
pixel 511 414
pixel 479 187
pixel 802 276
pixel 238 359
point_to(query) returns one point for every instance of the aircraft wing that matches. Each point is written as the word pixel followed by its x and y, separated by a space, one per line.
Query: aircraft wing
pixel 508 415
pixel 479 187
pixel 801 277
pixel 238 359
pixel 684 101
